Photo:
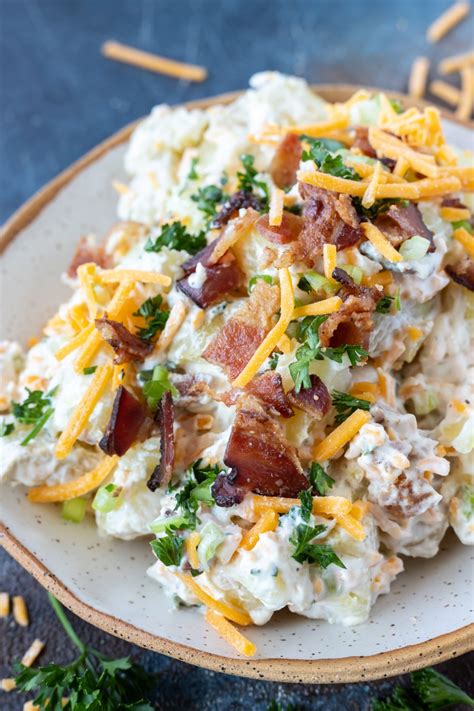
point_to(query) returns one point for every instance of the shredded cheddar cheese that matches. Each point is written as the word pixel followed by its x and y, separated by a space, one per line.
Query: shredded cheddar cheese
pixel 447 21
pixel 318 308
pixel 418 77
pixel 75 342
pixel 465 105
pixel 271 340
pixel 446 92
pixel 380 242
pixel 191 543
pixel 356 188
pixel 455 214
pixel 268 521
pixel 322 505
pixel 414 333
pixel 340 436
pixel 228 632
pixel 383 278
pixel 7 684
pixel 110 276
pixel 153 62
pixel 83 411
pixel 321 129
pixel 235 230
pixel 351 526
pixel 275 214
pixel 368 198
pixel 284 344
pixel 235 614
pixel 4 604
pixel 329 260
pixel 172 326
pixel 463 237
pixel 20 611
pixel 120 188
pixel 77 487
pixel 456 62
pixel 32 653
pixel 86 274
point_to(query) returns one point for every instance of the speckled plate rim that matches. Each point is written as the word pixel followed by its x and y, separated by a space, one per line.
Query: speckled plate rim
pixel 336 670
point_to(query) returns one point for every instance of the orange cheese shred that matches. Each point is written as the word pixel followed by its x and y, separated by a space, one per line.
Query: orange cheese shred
pixel 77 487
pixel 340 436
pixel 268 521
pixel 228 632
pixel 235 614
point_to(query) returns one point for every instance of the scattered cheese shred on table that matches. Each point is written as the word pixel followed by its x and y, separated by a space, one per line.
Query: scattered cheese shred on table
pixel 84 409
pixel 7 685
pixel 238 616
pixel 271 340
pixel 380 242
pixel 446 92
pixel 20 611
pixel 268 521
pixel 447 21
pixel 77 487
pixel 228 632
pixel 464 109
pixel 456 62
pixel 340 436
pixel 32 653
pixel 153 62
pixel 4 604
pixel 418 77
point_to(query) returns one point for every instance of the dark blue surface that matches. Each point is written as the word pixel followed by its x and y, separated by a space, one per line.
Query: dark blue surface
pixel 59 98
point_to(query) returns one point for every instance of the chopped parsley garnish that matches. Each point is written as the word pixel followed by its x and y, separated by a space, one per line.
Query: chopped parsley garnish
pixel 6 428
pixel 208 199
pixel 321 151
pixel 379 206
pixel 35 410
pixel 308 334
pixel 192 175
pixel 168 549
pixel 303 550
pixel 247 180
pixel 429 691
pixel 175 236
pixel 91 682
pixel 273 360
pixel 155 383
pixel 319 480
pixel 196 490
pixel 154 316
pixel 384 305
pixel 90 370
pixel 346 404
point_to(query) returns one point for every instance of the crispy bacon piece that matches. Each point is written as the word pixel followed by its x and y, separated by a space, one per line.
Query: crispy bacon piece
pixel 314 400
pixel 226 492
pixel 129 423
pixel 328 218
pixel 190 389
pixel 288 231
pixel 162 473
pixel 127 346
pixel 88 251
pixel 258 452
pixel 452 202
pixel 399 223
pixel 286 161
pixel 462 272
pixel 268 388
pixel 362 141
pixel 231 207
pixel 238 340
pixel 414 497
pixel 353 322
pixel 221 278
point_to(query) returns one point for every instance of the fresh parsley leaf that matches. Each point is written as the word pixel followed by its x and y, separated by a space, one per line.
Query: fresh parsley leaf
pixel 91 683
pixel 384 305
pixel 273 360
pixel 400 700
pixel 35 410
pixel 346 404
pixel 208 199
pixel 319 554
pixel 6 428
pixel 319 480
pixel 192 175
pixel 356 354
pixel 175 236
pixel 155 387
pixel 168 549
pixel 321 151
pixel 196 490
pixel 319 148
pixel 247 181
pixel 437 691
pixel 378 208
pixel 154 316
pixel 306 504
pixel 90 370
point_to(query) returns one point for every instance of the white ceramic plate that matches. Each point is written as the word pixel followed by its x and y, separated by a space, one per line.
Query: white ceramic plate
pixel 423 620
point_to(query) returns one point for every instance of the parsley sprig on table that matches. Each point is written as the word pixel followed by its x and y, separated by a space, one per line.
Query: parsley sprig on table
pixel 429 691
pixel 308 335
pixel 319 554
pixel 175 236
pixel 154 316
pixel 92 682
pixel 346 404
pixel 36 409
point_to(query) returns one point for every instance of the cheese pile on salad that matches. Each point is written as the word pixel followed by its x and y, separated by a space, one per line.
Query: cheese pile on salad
pixel 266 366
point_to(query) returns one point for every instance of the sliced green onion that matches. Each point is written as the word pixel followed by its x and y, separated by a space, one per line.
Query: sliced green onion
pixel 211 538
pixel 74 510
pixel 465 224
pixel 167 523
pixel 91 369
pixel 424 402
pixel 107 498
pixel 312 281
pixel 39 426
pixel 354 272
pixel 414 248
pixel 264 277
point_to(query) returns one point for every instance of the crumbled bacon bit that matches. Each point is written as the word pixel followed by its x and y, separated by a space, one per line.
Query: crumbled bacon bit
pixel 412 500
pixel 258 452
pixel 88 251
pixel 286 160
pixel 362 142
pixel 328 218
pixel 353 322
pixel 452 202
pixel 231 207
pixel 399 223
pixel 225 492
pixel 127 346
pixel 162 473
pixel 268 388
pixel 221 278
pixel 238 340
pixel 190 389
pixel 129 423
pixel 462 272
pixel 315 400
pixel 288 231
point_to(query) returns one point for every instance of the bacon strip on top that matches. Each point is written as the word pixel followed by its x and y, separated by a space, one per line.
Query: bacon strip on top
pixel 129 423
pixel 462 272
pixel 268 388
pixel 238 340
pixel 88 251
pixel 315 400
pixel 162 473
pixel 230 209
pixel 286 161
pixel 288 231
pixel 127 346
pixel 402 222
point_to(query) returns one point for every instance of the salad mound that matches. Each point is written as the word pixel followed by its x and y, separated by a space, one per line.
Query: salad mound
pixel 266 366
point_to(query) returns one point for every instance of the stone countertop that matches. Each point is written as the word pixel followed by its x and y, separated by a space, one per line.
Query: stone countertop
pixel 60 98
